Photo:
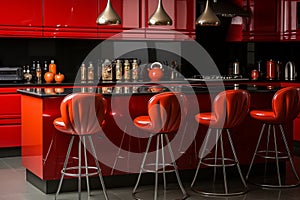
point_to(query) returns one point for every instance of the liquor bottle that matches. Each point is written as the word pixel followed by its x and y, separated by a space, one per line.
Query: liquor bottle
pixel 52 67
pixel 33 71
pixel 135 70
pixel 83 73
pixel 38 73
pixel 90 73
pixel 45 68
pixel 99 70
pixel 126 70
pixel 118 70
pixel 107 70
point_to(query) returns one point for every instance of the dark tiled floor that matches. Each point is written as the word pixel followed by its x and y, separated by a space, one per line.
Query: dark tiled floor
pixel 13 186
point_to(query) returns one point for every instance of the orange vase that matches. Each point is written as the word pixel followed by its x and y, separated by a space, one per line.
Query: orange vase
pixel 59 77
pixel 48 76
pixel 52 67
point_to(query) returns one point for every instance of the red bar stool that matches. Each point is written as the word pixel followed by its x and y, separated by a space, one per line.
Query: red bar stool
pixel 285 108
pixel 165 113
pixel 82 115
pixel 229 109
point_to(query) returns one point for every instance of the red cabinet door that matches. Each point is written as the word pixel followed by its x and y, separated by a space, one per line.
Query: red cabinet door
pixel 264 22
pixel 290 20
pixel 10 118
pixel 70 18
pixel 19 18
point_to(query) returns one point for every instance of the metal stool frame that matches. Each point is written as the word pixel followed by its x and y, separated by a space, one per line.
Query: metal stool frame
pixel 278 155
pixel 79 167
pixel 160 139
pixel 234 162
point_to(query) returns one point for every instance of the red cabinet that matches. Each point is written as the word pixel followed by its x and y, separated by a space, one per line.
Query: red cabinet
pixel 19 18
pixel 290 20
pixel 264 22
pixel 70 18
pixel 10 118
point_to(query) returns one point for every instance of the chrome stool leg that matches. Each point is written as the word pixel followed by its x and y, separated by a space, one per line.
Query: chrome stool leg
pixel 142 166
pixel 255 152
pixel 79 169
pixel 278 155
pixel 225 162
pixel 185 194
pixel 98 167
pixel 236 160
pixel 64 166
pixel 202 151
pixel 86 168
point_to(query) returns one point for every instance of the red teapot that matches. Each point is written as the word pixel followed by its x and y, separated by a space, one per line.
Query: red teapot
pixel 155 72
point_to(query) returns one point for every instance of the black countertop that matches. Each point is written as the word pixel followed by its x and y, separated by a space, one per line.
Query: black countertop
pixel 42 92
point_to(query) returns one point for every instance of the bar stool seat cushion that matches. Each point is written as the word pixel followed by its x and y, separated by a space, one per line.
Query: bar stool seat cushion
pixel 285 107
pixel 229 109
pixel 82 119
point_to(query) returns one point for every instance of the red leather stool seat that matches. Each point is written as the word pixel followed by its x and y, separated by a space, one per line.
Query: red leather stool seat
pixel 285 108
pixel 82 115
pixel 165 114
pixel 229 109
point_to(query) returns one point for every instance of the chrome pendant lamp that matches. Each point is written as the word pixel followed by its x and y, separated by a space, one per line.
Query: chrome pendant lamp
pixel 108 16
pixel 160 16
pixel 208 17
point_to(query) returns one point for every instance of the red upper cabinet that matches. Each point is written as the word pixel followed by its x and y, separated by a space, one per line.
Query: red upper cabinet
pixel 70 18
pixel 19 18
pixel 264 22
pixel 290 20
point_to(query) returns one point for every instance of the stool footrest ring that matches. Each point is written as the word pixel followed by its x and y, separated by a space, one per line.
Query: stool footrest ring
pixel 265 154
pixel 64 171
pixel 232 162
pixel 159 171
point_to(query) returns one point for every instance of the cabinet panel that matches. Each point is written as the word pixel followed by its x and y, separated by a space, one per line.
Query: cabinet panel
pixel 10 118
pixel 290 20
pixel 264 22
pixel 70 18
pixel 19 18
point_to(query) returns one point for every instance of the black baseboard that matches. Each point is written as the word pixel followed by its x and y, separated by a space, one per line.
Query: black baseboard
pixel 10 152
pixel 129 180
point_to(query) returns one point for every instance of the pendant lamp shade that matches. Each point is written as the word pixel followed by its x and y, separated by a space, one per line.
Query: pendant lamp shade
pixel 108 16
pixel 208 17
pixel 160 16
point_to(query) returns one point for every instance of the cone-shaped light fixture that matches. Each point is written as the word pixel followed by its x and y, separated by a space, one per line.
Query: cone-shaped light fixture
pixel 108 16
pixel 160 16
pixel 208 17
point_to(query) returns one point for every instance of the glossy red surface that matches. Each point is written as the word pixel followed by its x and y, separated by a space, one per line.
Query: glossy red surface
pixel 44 147
pixel 264 22
pixel 285 107
pixel 230 108
pixel 165 112
pixel 10 118
pixel 20 18
pixel 81 114
pixel 70 18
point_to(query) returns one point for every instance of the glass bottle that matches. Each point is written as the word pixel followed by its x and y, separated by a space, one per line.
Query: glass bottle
pixel 107 70
pixel 118 70
pixel 135 70
pixel 52 67
pixel 90 73
pixel 126 70
pixel 83 73
pixel 33 71
pixel 38 73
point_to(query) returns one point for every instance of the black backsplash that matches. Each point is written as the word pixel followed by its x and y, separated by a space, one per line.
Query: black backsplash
pixel 69 53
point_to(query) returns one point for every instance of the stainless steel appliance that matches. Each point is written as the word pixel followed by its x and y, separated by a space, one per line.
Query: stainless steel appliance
pixel 11 74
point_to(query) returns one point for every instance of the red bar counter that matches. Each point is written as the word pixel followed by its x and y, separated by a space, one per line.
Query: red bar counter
pixel 44 148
